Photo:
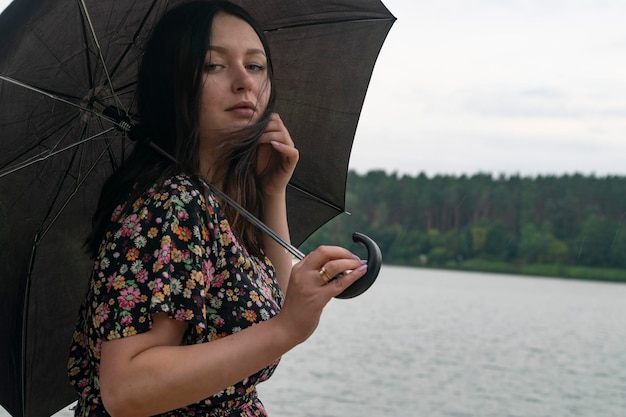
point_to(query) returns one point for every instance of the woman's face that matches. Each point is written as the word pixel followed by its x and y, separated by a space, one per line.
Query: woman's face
pixel 236 87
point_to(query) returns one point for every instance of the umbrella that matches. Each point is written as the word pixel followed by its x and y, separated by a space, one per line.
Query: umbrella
pixel 55 57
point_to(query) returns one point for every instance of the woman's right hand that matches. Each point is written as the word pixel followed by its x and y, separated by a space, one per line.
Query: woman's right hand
pixel 308 293
pixel 134 381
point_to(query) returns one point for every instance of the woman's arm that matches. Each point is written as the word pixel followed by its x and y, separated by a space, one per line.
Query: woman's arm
pixel 277 159
pixel 151 373
pixel 276 219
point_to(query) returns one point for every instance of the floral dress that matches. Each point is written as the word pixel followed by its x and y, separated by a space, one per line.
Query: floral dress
pixel 174 253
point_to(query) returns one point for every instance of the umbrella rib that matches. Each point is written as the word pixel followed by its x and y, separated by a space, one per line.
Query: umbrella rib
pixel 46 155
pixel 31 264
pixel 90 75
pixel 135 36
pixel 24 329
pixel 44 231
pixel 57 95
pixel 95 39
pixel 112 157
pixel 126 89
pixel 331 22
pixel 56 57
pixel 39 143
pixel 38 236
pixel 61 99
pixel 44 92
pixel 318 199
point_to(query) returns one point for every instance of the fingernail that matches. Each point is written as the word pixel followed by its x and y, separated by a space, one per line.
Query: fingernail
pixel 356 257
pixel 363 262
pixel 275 143
pixel 362 268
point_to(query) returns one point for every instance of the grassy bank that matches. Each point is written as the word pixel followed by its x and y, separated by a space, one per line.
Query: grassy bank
pixel 545 270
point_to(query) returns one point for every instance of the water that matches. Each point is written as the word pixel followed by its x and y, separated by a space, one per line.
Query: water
pixel 452 344
pixel 436 343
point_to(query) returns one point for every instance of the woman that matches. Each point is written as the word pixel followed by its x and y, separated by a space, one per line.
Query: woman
pixel 189 306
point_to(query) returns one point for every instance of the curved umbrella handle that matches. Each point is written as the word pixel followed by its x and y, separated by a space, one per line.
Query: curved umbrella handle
pixel 374 262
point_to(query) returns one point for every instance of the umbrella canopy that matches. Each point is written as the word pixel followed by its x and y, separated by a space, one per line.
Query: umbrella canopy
pixel 55 56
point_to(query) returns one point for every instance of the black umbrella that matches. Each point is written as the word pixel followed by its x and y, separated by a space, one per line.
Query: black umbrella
pixel 55 150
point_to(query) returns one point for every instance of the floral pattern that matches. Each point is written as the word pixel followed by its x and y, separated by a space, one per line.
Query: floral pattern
pixel 174 253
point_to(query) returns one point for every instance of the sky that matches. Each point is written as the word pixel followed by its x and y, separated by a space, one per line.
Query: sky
pixel 528 87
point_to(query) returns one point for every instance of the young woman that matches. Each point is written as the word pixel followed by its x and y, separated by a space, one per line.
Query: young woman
pixel 189 306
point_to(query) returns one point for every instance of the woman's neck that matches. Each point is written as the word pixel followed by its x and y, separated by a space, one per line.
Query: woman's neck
pixel 213 171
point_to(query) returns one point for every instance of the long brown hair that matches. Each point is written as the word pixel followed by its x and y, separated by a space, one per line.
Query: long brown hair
pixel 168 97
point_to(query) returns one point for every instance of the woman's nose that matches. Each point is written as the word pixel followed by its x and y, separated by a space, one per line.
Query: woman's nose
pixel 242 80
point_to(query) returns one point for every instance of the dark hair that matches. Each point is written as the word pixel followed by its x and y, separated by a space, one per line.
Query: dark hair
pixel 168 100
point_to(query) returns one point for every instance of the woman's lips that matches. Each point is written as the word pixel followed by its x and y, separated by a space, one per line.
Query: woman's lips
pixel 242 110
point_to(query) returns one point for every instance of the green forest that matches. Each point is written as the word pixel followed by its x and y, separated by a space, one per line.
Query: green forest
pixel 570 226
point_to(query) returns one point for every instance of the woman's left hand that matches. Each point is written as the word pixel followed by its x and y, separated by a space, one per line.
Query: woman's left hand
pixel 277 157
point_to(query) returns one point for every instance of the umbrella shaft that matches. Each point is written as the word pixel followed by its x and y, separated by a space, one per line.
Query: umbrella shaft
pixel 288 246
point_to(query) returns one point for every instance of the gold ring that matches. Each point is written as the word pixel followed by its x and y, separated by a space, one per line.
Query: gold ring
pixel 324 275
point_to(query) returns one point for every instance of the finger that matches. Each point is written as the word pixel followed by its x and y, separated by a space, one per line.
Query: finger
pixel 340 283
pixel 275 117
pixel 323 273
pixel 273 126
pixel 276 136
pixel 338 267
pixel 282 136
pixel 275 123
pixel 284 156
pixel 288 151
pixel 325 254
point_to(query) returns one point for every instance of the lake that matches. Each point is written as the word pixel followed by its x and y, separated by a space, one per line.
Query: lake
pixel 437 343
pixel 452 344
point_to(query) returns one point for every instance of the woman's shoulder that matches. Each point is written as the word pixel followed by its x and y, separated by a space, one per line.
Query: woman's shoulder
pixel 182 188
pixel 180 195
pixel 175 192
pixel 179 183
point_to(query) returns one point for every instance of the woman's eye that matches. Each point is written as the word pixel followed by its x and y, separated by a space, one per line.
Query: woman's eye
pixel 210 67
pixel 255 67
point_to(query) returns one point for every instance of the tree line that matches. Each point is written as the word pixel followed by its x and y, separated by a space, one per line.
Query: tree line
pixel 444 220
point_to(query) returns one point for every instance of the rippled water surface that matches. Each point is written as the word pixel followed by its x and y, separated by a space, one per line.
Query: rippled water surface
pixel 436 343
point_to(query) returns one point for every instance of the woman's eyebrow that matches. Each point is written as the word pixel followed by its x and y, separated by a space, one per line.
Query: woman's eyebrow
pixel 224 50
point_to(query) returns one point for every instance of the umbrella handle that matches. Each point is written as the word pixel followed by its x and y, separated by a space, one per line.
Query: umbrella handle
pixel 374 256
pixel 374 262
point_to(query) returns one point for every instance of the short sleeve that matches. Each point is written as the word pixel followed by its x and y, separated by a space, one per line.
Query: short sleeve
pixel 155 259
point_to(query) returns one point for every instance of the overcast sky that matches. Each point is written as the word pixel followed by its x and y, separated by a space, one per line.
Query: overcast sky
pixel 499 86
